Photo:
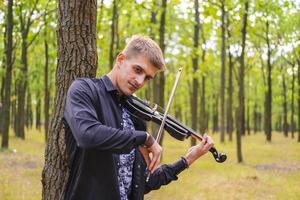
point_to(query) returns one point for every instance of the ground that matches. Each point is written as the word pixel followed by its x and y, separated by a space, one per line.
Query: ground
pixel 269 171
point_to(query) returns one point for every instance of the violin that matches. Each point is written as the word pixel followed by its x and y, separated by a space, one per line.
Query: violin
pixel 176 129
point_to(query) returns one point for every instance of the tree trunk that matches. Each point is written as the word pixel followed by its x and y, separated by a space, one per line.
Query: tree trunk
pixel 38 112
pixel 215 114
pixel 161 77
pixel 223 73
pixel 292 104
pixel 29 114
pixel 248 118
pixel 298 62
pixel 47 90
pixel 77 57
pixel 154 89
pixel 255 118
pixel 22 87
pixel 230 90
pixel 194 95
pixel 203 113
pixel 268 103
pixel 241 93
pixel 113 34
pixel 285 112
pixel 7 83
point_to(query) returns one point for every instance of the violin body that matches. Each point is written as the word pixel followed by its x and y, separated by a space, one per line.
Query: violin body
pixel 176 129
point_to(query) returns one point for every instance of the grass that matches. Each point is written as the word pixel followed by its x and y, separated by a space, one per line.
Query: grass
pixel 269 170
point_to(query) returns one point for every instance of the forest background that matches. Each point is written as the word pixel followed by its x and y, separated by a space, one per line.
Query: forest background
pixel 240 59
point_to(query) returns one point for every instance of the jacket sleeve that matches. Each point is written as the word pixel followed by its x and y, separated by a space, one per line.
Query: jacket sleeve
pixel 164 175
pixel 88 131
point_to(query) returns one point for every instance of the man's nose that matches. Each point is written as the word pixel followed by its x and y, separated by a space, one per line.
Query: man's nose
pixel 140 80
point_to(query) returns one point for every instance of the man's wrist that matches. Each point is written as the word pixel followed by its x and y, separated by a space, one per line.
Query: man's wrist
pixel 186 163
pixel 149 140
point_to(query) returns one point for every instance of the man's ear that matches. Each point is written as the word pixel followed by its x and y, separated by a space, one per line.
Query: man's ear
pixel 120 58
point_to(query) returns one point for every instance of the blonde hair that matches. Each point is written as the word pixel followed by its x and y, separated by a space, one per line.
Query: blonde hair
pixel 146 46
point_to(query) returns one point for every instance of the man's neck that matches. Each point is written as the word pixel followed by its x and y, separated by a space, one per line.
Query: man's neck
pixel 112 78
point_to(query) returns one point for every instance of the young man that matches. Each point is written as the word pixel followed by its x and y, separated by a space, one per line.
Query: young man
pixel 110 151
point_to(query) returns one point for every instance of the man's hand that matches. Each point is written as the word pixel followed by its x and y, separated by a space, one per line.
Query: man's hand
pixel 152 153
pixel 156 152
pixel 197 151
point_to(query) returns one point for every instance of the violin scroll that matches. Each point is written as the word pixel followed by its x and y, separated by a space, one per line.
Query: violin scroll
pixel 219 157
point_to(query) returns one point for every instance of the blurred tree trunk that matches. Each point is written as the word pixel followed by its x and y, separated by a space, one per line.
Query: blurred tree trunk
pixel 161 77
pixel 285 112
pixel 8 74
pixel 46 89
pixel 14 109
pixel 38 112
pixel 230 87
pixel 29 114
pixel 155 85
pixel 203 112
pixel 215 113
pixel 46 79
pixel 268 95
pixel 77 57
pixel 298 62
pixel 255 118
pixel 194 95
pixel 26 20
pixel 223 72
pixel 241 92
pixel 114 24
pixel 3 77
pixel 248 117
pixel 292 102
pixel 99 22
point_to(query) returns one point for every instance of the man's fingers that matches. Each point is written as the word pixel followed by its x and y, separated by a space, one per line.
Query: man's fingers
pixel 154 162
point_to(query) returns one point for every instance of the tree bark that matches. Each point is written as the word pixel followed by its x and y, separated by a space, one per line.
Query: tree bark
pixel 215 114
pixel 161 77
pixel 77 57
pixel 8 73
pixel 241 92
pixel 38 112
pixel 285 112
pixel 113 34
pixel 292 104
pixel 298 62
pixel 47 90
pixel 223 73
pixel 194 95
pixel 230 91
pixel 29 114
pixel 203 113
pixel 26 20
pixel 268 101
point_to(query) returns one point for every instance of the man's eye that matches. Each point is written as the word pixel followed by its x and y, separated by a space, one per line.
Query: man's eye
pixel 137 70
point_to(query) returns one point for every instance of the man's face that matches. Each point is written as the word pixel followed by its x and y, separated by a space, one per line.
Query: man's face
pixel 133 73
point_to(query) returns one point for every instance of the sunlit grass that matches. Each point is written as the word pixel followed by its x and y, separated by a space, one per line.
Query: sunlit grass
pixel 269 170
pixel 21 166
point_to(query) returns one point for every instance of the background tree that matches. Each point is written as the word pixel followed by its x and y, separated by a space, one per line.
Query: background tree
pixel 8 75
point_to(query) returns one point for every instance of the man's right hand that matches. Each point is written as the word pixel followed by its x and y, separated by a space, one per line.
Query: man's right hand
pixel 156 152
pixel 153 153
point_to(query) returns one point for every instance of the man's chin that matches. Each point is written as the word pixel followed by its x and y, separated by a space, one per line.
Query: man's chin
pixel 128 92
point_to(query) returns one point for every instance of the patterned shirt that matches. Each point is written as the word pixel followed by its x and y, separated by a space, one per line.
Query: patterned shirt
pixel 125 164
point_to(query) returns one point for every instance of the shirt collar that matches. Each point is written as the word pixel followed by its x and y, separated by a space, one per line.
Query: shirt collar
pixel 111 88
pixel 108 84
